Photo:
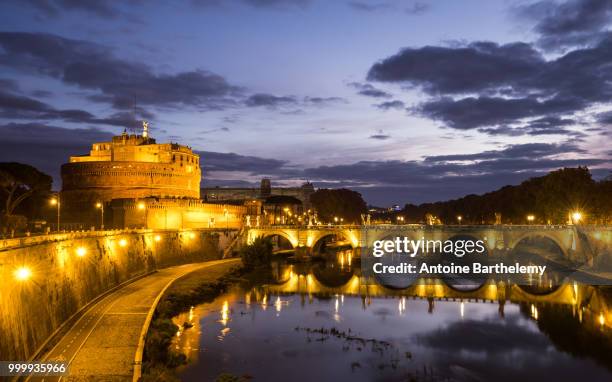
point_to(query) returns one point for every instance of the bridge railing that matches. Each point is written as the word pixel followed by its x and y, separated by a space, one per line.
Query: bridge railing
pixel 535 227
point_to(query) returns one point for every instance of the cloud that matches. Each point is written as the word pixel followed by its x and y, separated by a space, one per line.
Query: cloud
pixel 369 7
pixel 415 8
pixel 369 91
pixel 92 66
pixel 14 106
pixel 502 89
pixel 53 8
pixel 323 101
pixel 214 161
pixel 269 100
pixel 46 147
pixel 272 101
pixel 526 150
pixel 477 66
pixel 380 135
pixel 574 23
pixel 395 104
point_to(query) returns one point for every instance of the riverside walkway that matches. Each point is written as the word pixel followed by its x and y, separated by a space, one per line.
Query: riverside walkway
pixel 105 343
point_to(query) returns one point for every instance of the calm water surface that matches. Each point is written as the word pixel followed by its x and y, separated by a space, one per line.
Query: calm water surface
pixel 321 323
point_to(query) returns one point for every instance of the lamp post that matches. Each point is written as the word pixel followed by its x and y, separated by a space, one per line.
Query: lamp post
pixel 57 202
pixel 576 217
pixel 101 207
pixel 530 218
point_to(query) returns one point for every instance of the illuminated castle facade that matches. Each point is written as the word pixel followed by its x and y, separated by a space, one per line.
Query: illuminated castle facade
pixel 135 168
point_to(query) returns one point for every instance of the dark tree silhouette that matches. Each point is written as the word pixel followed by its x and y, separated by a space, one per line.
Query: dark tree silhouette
pixel 341 203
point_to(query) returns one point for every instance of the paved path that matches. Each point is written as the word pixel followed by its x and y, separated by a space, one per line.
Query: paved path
pixel 102 344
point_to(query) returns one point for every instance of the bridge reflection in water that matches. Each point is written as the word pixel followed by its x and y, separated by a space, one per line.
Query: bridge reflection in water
pixel 575 318
pixel 587 303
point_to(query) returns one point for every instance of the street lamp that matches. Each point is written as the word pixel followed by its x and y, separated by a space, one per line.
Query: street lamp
pixel 576 217
pixel 142 207
pixel 101 207
pixel 336 219
pixel 22 273
pixel 530 218
pixel 81 251
pixel 459 218
pixel 58 203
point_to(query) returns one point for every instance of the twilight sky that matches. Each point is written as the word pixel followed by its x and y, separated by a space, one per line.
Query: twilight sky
pixel 402 100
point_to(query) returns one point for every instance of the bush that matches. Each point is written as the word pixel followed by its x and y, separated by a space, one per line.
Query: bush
pixel 257 253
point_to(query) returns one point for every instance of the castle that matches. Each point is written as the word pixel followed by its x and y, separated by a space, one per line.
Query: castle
pixel 141 184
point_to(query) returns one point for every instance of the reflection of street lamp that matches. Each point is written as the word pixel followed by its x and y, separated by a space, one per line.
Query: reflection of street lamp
pixel 530 218
pixel 226 214
pixel 81 251
pixel 57 202
pixel 459 218
pixel 101 207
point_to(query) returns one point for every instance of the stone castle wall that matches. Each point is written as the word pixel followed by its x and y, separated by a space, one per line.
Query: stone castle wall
pixel 176 214
pixel 62 282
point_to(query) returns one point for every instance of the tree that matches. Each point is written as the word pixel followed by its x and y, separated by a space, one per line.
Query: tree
pixel 18 182
pixel 341 203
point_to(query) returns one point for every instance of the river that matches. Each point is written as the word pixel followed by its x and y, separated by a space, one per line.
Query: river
pixel 321 322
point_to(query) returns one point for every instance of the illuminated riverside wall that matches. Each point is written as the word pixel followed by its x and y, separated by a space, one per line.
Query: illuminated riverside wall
pixel 70 270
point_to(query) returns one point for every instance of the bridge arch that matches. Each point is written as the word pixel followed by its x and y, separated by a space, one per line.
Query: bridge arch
pixel 272 233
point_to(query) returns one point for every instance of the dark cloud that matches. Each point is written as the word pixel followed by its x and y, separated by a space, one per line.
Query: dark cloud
pixel 415 8
pixel 269 100
pixel 277 3
pixel 369 91
pixel 262 4
pixel 526 150
pixel 92 66
pixel 395 104
pixel 14 106
pixel 214 161
pixel 501 88
pixel 323 101
pixel 369 6
pixel 475 67
pixel 380 135
pixel 574 23
pixel 273 101
pixel 54 8
pixel 46 147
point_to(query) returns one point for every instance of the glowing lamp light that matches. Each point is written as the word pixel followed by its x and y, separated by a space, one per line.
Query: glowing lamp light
pixel 576 216
pixel 192 235
pixel 141 206
pixel 157 238
pixel 530 218
pixel 23 273
pixel 122 243
pixel 98 205
pixel 602 319
pixel 53 202
pixel 81 251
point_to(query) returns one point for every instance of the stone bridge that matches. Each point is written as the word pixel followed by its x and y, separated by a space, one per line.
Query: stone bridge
pixel 580 242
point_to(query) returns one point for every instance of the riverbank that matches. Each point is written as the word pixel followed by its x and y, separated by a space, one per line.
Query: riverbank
pixel 195 288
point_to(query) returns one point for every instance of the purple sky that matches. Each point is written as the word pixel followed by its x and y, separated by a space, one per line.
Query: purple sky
pixel 404 101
